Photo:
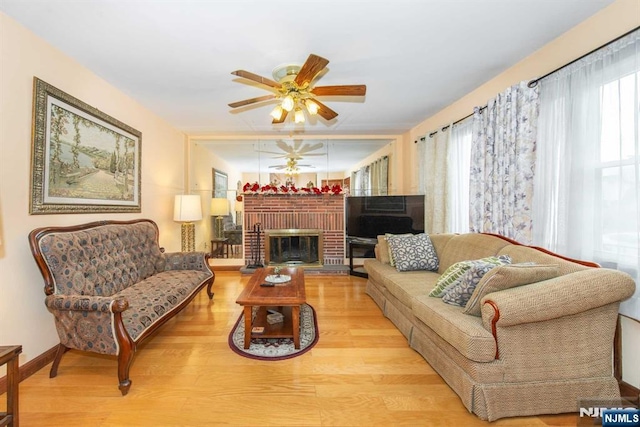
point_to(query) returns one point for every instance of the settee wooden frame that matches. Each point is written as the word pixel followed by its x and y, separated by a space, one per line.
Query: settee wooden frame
pixel 127 346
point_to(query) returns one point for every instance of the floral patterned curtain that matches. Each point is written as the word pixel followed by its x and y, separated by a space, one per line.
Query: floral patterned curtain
pixel 503 162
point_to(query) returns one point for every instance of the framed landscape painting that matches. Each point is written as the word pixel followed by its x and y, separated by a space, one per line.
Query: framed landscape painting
pixel 82 160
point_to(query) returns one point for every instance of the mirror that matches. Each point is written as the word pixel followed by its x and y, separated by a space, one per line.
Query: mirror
pixel 279 161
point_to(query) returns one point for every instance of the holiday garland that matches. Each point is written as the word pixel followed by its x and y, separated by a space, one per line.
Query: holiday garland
pixel 256 188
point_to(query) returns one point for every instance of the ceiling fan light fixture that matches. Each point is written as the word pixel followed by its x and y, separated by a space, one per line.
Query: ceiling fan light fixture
pixel 288 103
pixel 277 112
pixel 299 116
pixel 312 107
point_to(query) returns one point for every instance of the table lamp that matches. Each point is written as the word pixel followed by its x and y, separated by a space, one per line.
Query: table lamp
pixel 219 209
pixel 238 207
pixel 186 209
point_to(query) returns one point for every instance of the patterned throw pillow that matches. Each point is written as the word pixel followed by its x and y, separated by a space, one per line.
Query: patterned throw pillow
pixel 413 252
pixel 392 262
pixel 460 293
pixel 509 276
pixel 453 274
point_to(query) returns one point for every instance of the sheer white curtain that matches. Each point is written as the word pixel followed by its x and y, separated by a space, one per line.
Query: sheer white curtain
pixel 419 163
pixel 458 164
pixel 371 180
pixel 502 164
pixel 587 200
pixel 380 177
pixel 358 183
pixel 436 191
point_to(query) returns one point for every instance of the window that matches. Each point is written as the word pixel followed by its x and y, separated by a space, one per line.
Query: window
pixel 587 181
pixel 617 172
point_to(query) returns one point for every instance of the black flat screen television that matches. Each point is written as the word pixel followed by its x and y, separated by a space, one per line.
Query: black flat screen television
pixel 369 216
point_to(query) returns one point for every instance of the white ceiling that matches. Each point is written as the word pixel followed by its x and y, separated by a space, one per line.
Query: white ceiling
pixel 416 57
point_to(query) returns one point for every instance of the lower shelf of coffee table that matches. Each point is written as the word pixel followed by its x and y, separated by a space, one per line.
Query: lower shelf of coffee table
pixel 282 329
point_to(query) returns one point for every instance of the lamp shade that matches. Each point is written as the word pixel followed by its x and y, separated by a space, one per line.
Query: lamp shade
pixel 187 207
pixel 219 206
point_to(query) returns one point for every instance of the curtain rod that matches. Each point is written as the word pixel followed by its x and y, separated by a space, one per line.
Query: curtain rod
pixel 447 126
pixel 534 82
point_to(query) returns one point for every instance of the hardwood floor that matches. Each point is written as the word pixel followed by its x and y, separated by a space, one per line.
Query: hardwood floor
pixel 361 372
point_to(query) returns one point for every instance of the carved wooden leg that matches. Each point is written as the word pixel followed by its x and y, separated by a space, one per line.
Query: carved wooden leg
pixel 61 350
pixel 124 363
pixel 209 291
pixel 213 279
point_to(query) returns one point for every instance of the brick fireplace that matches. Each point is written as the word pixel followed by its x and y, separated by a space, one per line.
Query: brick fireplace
pixel 299 211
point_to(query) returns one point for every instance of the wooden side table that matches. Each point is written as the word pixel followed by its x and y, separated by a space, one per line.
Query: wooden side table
pixel 220 248
pixel 362 244
pixel 9 356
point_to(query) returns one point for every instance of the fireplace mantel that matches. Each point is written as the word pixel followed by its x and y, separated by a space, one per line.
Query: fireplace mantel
pixel 295 211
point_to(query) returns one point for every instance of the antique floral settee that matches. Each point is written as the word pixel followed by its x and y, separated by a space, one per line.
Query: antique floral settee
pixel 109 285
pixel 536 342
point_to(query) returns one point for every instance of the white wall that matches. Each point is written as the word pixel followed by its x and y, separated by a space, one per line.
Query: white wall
pixel 23 317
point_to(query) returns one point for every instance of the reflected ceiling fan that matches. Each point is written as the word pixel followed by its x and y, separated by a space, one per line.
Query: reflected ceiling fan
pixel 291 168
pixel 293 87
pixel 297 150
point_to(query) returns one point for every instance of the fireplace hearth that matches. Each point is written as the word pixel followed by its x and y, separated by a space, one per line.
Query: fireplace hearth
pixel 294 247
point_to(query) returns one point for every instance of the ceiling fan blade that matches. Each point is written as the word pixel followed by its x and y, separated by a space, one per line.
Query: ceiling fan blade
pixel 281 119
pixel 256 78
pixel 312 66
pixel 308 147
pixel 344 90
pixel 325 111
pixel 283 146
pixel 251 101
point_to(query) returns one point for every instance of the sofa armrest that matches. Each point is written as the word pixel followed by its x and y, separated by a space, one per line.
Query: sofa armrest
pixel 86 303
pixel 187 261
pixel 554 298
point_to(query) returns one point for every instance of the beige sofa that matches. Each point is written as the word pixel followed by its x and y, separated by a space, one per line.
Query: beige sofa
pixel 537 349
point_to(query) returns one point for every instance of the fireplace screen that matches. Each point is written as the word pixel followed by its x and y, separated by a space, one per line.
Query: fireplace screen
pixel 301 247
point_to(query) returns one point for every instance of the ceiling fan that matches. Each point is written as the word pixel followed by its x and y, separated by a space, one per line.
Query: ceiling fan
pixel 293 87
pixel 296 150
pixel 292 167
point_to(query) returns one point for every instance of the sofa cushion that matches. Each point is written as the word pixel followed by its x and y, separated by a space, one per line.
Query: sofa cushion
pixel 408 284
pixel 465 333
pixel 521 254
pixel 150 299
pixel 463 247
pixel 402 285
pixel 453 274
pixel 413 252
pixel 508 276
pixel 102 260
pixel 460 293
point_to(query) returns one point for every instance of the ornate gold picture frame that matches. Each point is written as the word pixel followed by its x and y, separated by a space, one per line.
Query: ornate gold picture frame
pixel 82 160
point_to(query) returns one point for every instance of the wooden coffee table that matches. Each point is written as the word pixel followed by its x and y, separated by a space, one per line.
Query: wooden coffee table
pixel 283 297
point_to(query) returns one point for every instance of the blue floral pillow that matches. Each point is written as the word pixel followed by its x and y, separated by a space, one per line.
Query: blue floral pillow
pixel 460 293
pixel 413 252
